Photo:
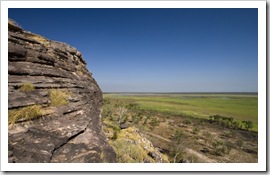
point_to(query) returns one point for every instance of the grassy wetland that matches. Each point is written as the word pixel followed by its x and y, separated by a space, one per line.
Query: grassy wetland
pixel 194 128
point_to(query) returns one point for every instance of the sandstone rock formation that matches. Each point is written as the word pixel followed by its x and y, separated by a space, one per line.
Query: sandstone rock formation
pixel 64 132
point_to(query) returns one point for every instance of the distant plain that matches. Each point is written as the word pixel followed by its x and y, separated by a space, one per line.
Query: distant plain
pixel 240 106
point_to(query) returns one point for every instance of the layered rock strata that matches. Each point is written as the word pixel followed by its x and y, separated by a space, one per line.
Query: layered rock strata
pixel 64 132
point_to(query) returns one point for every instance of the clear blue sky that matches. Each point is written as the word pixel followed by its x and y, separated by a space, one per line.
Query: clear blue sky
pixel 157 50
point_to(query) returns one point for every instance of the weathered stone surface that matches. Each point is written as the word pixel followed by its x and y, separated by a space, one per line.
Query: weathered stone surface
pixel 20 99
pixel 124 126
pixel 16 52
pixel 33 69
pixel 65 133
pixel 21 37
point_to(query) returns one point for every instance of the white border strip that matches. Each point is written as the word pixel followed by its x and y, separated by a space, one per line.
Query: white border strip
pixel 260 166
pixel 132 4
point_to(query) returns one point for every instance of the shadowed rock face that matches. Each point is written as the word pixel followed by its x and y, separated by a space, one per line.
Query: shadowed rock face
pixel 65 133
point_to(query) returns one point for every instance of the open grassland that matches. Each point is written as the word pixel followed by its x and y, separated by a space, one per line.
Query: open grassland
pixel 239 106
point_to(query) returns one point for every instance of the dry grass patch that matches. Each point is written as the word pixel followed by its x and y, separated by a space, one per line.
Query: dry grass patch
pixel 38 38
pixel 12 22
pixel 59 97
pixel 27 87
pixel 24 113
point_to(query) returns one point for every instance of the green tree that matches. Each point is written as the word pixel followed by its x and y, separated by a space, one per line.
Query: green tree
pixel 236 125
pixel 179 144
pixel 247 124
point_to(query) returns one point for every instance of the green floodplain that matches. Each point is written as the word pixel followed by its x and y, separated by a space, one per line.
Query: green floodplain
pixel 240 106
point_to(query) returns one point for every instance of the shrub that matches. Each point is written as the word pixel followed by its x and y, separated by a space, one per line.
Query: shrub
pixel 132 106
pixel 195 130
pixel 106 101
pixel 154 122
pixel 217 118
pixel 137 118
pixel 240 143
pixel 27 87
pixel 107 111
pixel 24 113
pixel 247 124
pixel 211 118
pixel 187 122
pixel 229 122
pixel 130 147
pixel 127 152
pixel 236 125
pixel 220 148
pixel 59 97
pixel 118 104
pixel 115 135
pixel 178 146
pixel 111 128
pixel 178 135
pixel 145 121
pixel 120 115
pixel 208 137
pixel 177 153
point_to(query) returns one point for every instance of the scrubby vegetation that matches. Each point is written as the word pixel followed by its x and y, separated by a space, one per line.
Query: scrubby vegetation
pixel 25 113
pixel 239 106
pixel 179 144
pixel 130 146
pixel 247 124
pixel 27 87
pixel 220 148
pixel 180 138
pixel 230 122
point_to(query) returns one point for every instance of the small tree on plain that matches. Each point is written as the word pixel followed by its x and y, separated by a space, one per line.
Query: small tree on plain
pixel 179 144
pixel 247 124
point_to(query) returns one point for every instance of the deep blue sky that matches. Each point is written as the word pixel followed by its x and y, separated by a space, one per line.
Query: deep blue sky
pixel 157 50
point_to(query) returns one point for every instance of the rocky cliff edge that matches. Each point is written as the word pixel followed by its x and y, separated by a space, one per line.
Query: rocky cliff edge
pixel 54 103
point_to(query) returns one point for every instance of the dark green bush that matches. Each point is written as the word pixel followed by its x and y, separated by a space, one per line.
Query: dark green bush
pixel 247 124
pixel 187 122
pixel 229 122
pixel 220 148
pixel 132 106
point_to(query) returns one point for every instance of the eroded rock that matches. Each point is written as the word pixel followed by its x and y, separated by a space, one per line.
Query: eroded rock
pixel 70 132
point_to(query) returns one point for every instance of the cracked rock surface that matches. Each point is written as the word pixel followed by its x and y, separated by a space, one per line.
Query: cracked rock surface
pixel 66 133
